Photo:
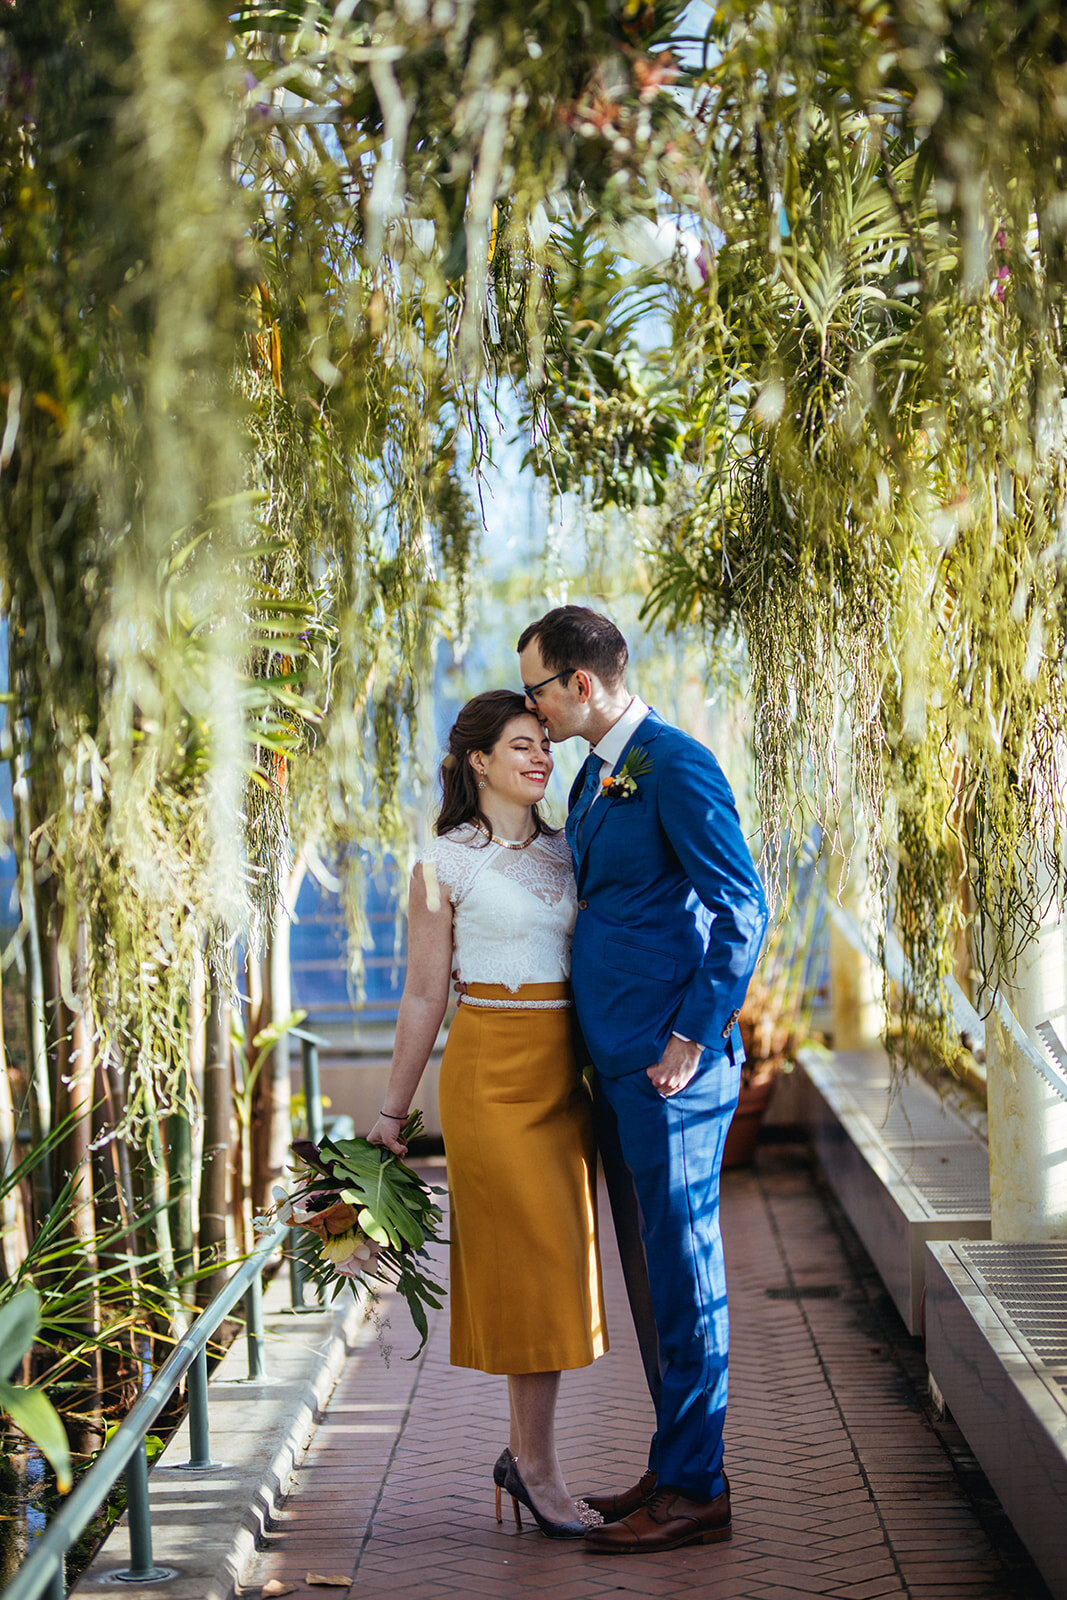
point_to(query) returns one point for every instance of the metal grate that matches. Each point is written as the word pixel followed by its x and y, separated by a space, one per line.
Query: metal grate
pixel 1028 1283
pixel 911 1118
pixel 862 1069
pixel 953 1179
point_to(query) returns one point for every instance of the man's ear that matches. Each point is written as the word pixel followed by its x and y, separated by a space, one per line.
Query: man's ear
pixel 584 683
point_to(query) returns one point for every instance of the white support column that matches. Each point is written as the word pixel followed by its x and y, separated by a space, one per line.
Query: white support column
pixel 1027 1118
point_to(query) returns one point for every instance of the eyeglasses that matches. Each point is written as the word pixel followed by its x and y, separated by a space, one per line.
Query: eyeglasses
pixel 533 689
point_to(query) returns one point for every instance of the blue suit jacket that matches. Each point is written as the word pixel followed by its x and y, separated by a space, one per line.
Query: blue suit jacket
pixel 671 912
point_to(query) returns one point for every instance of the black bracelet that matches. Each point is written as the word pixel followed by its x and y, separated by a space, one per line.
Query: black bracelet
pixel 393 1117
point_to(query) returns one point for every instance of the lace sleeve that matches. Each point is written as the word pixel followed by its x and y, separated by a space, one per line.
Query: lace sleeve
pixel 454 863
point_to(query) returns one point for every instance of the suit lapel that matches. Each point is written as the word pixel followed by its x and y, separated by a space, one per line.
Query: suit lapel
pixel 643 736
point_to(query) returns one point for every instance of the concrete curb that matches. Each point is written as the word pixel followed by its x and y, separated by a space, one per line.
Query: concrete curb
pixel 206 1523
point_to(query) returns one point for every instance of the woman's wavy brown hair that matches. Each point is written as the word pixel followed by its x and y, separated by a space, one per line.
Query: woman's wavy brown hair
pixel 478 727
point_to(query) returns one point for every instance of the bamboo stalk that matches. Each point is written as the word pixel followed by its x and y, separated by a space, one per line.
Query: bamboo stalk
pixel 180 1175
pixel 153 1204
pixel 74 1099
pixel 40 1093
pixel 214 1179
pixel 13 1238
pixel 57 1019
pixel 271 1122
pixel 113 1102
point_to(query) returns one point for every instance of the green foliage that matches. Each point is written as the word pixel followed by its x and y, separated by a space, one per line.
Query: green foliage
pixel 89 1295
pixel 28 1407
pixel 257 264
pixel 395 1209
pixel 880 516
pixel 231 502
pixel 608 420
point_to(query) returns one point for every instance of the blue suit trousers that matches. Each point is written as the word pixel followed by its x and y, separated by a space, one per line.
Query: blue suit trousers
pixel 672 1148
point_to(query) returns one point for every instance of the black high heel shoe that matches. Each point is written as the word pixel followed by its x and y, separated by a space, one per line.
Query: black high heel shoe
pixel 500 1472
pixel 514 1486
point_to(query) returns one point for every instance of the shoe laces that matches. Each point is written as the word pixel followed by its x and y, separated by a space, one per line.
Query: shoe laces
pixel 660 1501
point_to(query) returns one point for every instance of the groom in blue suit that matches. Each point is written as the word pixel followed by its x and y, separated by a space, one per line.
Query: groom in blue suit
pixel 671 916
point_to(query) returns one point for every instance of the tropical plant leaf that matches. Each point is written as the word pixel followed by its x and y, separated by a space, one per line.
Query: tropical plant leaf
pixel 395 1209
pixel 32 1412
pixel 19 1320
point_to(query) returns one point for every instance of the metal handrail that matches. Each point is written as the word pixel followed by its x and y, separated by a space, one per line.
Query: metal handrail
pixel 966 1018
pixel 42 1573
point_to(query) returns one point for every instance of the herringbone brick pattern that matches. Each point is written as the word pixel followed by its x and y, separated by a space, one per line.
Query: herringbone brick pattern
pixel 842 1486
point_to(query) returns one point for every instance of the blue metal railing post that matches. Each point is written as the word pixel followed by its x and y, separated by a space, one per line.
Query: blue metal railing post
pixel 296 1278
pixel 309 1052
pixel 142 1569
pixel 309 1057
pixel 254 1324
pixel 199 1433
pixel 41 1573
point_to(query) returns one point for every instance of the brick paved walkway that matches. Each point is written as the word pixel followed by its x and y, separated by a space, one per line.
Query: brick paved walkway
pixel 842 1483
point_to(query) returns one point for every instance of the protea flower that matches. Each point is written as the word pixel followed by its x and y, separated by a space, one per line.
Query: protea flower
pixel 332 1220
pixel 351 1254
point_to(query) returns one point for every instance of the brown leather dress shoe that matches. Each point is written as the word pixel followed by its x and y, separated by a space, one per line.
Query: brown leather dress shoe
pixel 666 1521
pixel 613 1507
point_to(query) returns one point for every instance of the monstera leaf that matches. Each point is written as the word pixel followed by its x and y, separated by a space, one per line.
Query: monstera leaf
pixel 392 1205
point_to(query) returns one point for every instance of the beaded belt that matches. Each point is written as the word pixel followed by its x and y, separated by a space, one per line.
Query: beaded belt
pixel 514 1005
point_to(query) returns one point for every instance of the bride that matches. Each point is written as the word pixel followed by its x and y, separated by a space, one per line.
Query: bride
pixel 494 896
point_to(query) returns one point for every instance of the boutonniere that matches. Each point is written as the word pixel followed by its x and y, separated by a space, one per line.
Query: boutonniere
pixel 622 785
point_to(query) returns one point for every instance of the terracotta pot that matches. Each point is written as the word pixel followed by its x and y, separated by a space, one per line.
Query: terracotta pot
pixel 744 1129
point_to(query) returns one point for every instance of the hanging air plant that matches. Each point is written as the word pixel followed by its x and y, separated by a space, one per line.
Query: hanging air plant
pixel 881 514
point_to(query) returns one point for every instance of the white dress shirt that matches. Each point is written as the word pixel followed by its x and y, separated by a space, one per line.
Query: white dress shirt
pixel 618 736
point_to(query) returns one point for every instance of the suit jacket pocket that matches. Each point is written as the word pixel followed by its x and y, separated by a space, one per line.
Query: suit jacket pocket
pixel 639 960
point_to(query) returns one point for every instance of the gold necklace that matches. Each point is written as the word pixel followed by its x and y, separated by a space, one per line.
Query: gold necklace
pixel 507 844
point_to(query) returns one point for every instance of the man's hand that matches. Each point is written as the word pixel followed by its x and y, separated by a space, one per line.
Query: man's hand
pixel 677 1066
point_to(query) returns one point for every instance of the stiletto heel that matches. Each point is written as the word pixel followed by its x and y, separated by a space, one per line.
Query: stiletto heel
pixel 514 1486
pixel 514 1507
pixel 500 1472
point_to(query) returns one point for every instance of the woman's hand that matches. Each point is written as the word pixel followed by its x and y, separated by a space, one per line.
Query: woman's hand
pixel 386 1132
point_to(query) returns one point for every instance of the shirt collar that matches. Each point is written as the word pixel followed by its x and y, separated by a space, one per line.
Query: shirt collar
pixel 618 736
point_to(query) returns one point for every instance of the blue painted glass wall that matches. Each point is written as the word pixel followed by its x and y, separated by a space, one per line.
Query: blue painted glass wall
pixel 318 942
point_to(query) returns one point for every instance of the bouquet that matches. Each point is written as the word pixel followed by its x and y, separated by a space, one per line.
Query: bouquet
pixel 372 1215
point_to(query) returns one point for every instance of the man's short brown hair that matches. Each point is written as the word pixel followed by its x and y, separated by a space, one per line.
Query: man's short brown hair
pixel 574 636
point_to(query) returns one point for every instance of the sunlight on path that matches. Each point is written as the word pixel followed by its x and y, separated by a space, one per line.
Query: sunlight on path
pixel 841 1485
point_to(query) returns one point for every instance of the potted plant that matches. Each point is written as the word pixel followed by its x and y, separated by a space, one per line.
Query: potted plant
pixel 774 1017
pixel 768 1037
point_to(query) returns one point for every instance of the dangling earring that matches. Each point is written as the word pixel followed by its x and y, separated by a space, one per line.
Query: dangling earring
pixel 482 784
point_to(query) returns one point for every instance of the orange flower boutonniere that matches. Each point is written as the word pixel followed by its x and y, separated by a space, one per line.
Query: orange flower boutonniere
pixel 622 785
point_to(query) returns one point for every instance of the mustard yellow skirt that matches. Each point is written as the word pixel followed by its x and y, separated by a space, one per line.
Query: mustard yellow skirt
pixel 525 1284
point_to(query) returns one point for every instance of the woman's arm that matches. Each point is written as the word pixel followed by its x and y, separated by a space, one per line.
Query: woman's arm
pixel 422 1006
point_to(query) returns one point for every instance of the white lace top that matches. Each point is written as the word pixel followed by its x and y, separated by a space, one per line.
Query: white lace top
pixel 513 909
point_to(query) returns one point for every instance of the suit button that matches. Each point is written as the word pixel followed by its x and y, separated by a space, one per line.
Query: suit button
pixel 583 905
